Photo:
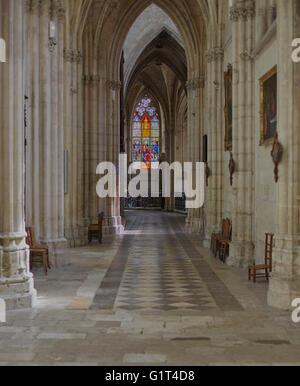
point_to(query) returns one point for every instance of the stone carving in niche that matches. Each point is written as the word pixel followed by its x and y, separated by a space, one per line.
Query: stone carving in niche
pixel 207 173
pixel 231 168
pixel 276 154
pixel 228 79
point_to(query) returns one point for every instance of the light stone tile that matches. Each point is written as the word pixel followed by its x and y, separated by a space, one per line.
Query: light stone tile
pixel 61 336
pixel 144 358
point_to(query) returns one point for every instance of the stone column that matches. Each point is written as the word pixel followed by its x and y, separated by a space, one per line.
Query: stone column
pixel 74 145
pixel 196 87
pixel 170 151
pixel 215 113
pixel 285 281
pixel 113 220
pixel 44 88
pixel 16 282
pixel 51 146
pixel 242 247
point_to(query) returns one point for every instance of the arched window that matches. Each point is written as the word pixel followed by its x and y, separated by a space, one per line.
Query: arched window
pixel 145 135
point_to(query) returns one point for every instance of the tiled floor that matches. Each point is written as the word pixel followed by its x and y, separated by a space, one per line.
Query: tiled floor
pixel 152 296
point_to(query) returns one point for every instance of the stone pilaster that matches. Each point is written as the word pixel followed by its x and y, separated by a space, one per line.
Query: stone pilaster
pixel 113 220
pixel 214 118
pixel 285 281
pixel 195 88
pixel 242 248
pixel 75 226
pixel 44 81
pixel 16 282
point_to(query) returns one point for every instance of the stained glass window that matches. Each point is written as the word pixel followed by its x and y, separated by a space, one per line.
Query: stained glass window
pixel 145 135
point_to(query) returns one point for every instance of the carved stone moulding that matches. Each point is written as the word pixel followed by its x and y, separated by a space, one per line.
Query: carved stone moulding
pixel 276 154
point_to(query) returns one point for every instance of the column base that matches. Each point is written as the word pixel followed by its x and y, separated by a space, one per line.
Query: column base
pixel 285 281
pixel 194 225
pixel 282 291
pixel 55 247
pixel 208 233
pixel 16 282
pixel 77 236
pixel 18 293
pixel 113 225
pixel 241 254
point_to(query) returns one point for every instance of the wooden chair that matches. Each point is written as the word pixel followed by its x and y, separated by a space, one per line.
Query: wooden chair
pixel 265 269
pixel 224 242
pixel 215 237
pixel 37 250
pixel 96 230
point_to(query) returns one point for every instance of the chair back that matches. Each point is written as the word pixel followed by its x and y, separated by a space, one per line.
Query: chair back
pixel 223 227
pixel 29 237
pixel 227 230
pixel 269 251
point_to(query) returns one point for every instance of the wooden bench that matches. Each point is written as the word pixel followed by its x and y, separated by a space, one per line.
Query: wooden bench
pixel 264 270
pixel 40 251
pixel 96 230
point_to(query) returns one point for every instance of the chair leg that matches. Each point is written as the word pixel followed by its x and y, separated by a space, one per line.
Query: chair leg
pixel 45 261
pixel 254 276
pixel 223 252
pixel 48 261
pixel 249 274
pixel 267 275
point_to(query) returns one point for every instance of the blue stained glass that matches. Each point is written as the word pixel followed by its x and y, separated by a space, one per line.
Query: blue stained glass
pixel 137 150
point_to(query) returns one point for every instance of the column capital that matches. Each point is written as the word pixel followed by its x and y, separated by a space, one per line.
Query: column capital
pixel 214 54
pixel 45 7
pixel 91 79
pixel 246 56
pixel 242 10
pixel 73 56
pixel 32 6
pixel 196 83
pixel 114 85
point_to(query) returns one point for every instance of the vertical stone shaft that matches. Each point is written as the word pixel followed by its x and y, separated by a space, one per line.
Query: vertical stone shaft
pixel 16 283
pixel 214 105
pixel 45 122
pixel 242 247
pixel 284 285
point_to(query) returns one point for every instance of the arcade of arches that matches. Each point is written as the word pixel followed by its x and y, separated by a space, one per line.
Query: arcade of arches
pixel 95 78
